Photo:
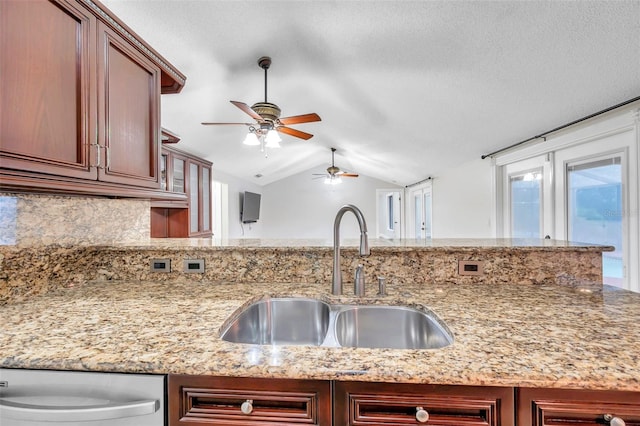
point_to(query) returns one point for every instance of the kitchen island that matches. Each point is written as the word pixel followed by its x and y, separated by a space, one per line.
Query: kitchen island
pixel 534 324
pixel 560 336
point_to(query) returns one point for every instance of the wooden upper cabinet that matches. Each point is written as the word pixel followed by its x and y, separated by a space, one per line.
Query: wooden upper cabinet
pixel 79 101
pixel 47 93
pixel 185 174
pixel 129 110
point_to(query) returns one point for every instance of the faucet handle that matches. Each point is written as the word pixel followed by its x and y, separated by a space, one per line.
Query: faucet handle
pixel 358 281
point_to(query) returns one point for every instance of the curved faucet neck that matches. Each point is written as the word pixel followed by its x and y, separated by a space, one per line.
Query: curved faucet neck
pixel 336 287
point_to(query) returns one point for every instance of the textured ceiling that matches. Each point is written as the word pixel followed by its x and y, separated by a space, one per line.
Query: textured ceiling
pixel 405 89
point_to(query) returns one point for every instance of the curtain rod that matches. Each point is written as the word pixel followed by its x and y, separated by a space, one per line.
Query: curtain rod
pixel 543 135
pixel 419 182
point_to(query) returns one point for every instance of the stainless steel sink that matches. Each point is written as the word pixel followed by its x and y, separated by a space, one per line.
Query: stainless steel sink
pixel 305 321
pixel 395 327
pixel 281 321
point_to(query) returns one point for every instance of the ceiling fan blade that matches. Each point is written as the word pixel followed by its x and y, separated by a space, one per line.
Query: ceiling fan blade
pixel 247 109
pixel 297 119
pixel 207 123
pixel 346 174
pixel 294 132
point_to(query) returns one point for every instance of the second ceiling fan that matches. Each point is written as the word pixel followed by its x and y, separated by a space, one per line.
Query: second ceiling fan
pixel 334 174
pixel 267 114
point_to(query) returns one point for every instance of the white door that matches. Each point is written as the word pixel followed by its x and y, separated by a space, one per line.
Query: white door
pixel 527 198
pixel 220 206
pixel 595 210
pixel 597 195
pixel 389 213
pixel 419 206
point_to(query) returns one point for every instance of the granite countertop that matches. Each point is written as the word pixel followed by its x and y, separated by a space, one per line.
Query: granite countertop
pixel 507 335
pixel 379 243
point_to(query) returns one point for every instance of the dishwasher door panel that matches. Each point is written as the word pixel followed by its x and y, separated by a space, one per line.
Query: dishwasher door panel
pixel 50 398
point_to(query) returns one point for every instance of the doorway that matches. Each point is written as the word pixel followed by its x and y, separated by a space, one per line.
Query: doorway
pixel 597 198
pixel 389 213
pixel 595 210
pixel 420 207
pixel 220 208
pixel 528 198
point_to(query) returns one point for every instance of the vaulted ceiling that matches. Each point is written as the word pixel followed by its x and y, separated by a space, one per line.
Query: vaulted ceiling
pixel 405 89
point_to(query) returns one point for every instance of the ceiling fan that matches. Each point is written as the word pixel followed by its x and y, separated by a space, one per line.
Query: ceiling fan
pixel 334 175
pixel 267 116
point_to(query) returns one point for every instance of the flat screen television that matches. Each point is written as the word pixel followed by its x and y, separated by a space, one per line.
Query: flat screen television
pixel 249 207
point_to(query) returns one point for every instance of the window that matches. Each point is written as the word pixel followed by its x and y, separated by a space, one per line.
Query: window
pixel 526 204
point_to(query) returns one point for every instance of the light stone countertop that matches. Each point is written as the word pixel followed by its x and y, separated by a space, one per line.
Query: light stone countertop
pixel 506 335
pixel 379 243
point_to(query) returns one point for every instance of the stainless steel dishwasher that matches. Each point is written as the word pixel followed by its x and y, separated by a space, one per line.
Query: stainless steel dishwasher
pixel 46 398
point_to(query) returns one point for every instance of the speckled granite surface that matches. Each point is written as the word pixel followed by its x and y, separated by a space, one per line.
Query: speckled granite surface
pixel 28 220
pixel 525 335
pixel 28 271
pixel 78 294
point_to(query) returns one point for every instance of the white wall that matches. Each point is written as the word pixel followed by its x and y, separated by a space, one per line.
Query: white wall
pixel 301 207
pixel 463 201
pixel 236 186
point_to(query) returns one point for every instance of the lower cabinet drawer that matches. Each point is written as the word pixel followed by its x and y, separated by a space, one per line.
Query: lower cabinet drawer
pixel 202 400
pixel 360 403
pixel 551 407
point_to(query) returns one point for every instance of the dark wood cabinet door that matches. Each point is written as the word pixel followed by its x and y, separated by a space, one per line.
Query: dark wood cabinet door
pixel 362 403
pixel 199 198
pixel 129 111
pixel 202 400
pixel 47 89
pixel 189 175
pixel 551 407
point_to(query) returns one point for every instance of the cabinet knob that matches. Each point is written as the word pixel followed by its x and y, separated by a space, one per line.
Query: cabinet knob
pixel 247 406
pixel 614 421
pixel 421 415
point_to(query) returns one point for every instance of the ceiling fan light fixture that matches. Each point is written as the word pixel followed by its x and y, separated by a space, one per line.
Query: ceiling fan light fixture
pixel 268 121
pixel 333 180
pixel 272 139
pixel 251 139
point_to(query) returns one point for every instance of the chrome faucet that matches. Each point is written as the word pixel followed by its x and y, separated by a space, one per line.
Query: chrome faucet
pixel 336 286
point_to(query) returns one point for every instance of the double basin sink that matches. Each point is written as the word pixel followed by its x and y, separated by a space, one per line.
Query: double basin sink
pixel 307 321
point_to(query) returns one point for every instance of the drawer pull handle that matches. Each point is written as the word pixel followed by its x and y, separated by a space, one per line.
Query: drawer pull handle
pixel 421 415
pixel 247 406
pixel 614 421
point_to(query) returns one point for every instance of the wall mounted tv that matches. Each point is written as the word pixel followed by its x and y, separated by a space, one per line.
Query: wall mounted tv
pixel 249 207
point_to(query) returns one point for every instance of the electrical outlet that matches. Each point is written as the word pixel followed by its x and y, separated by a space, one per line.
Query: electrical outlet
pixel 470 267
pixel 160 265
pixel 194 266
